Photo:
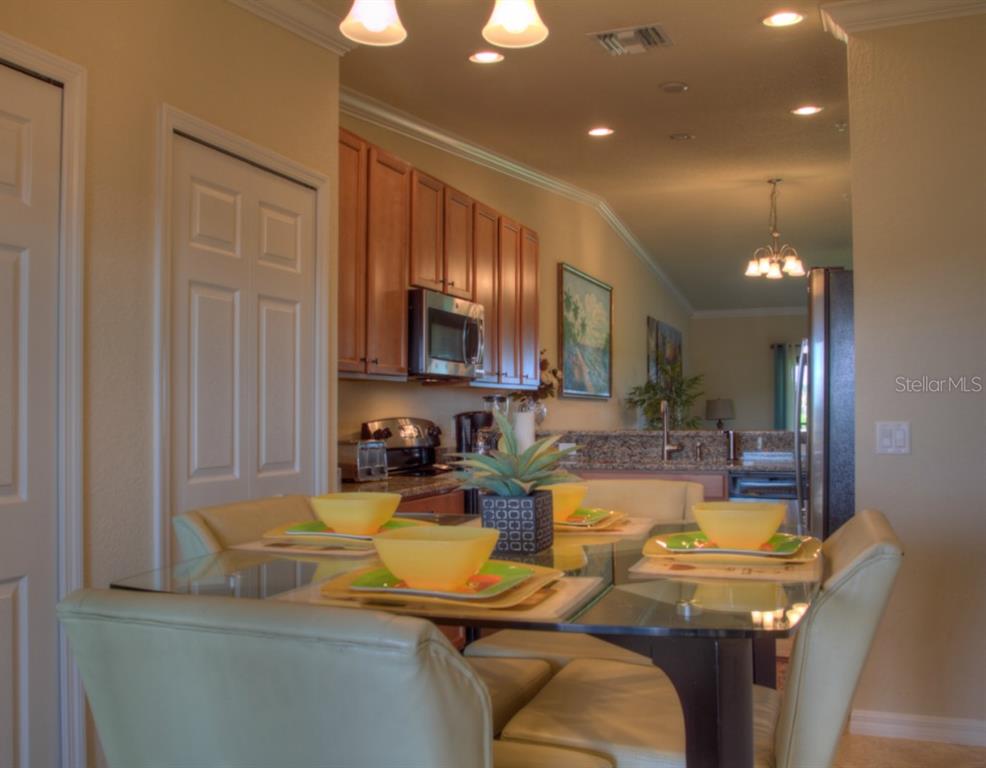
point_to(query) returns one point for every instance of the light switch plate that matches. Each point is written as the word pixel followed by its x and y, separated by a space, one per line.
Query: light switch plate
pixel 893 437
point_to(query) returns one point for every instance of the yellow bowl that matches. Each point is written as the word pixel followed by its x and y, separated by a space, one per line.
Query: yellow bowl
pixel 436 557
pixel 565 498
pixel 355 513
pixel 739 524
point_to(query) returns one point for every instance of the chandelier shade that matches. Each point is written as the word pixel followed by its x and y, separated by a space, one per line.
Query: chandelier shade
pixel 515 24
pixel 373 22
pixel 774 260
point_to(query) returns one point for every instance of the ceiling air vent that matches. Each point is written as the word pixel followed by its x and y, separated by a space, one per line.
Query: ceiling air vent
pixel 632 40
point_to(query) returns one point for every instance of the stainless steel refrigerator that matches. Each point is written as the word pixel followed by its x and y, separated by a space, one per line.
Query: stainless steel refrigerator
pixel 825 451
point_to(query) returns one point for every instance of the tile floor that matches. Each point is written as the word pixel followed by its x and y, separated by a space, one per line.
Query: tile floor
pixel 874 752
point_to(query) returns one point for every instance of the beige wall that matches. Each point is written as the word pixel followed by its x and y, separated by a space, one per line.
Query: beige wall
pixel 734 356
pixel 219 63
pixel 918 130
pixel 569 232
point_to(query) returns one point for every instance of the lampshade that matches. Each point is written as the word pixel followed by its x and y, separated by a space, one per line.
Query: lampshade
pixel 373 22
pixel 719 408
pixel 753 268
pixel 515 24
pixel 774 273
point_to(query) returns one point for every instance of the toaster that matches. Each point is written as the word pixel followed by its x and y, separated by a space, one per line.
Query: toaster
pixel 363 460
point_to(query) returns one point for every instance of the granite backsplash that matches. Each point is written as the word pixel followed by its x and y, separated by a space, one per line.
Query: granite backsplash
pixel 629 446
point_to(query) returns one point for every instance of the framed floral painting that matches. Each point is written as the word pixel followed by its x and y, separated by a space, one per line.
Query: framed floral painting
pixel 585 334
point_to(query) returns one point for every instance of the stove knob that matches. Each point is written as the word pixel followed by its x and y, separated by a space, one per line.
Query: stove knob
pixel 382 434
pixel 434 431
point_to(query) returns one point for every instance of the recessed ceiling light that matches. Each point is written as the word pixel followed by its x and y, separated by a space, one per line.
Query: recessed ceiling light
pixel 783 19
pixel 601 130
pixel 486 57
pixel 807 109
pixel 674 87
pixel 682 136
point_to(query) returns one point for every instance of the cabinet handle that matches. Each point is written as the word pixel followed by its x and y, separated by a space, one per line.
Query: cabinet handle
pixel 375 360
pixel 362 359
pixel 451 283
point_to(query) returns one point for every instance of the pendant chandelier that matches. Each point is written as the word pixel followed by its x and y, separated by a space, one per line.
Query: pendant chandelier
pixel 774 260
pixel 513 24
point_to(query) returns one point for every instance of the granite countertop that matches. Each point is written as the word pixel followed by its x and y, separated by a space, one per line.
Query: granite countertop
pixel 629 464
pixel 408 487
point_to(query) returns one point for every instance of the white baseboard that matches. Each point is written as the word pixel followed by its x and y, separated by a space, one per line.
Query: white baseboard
pixel 896 725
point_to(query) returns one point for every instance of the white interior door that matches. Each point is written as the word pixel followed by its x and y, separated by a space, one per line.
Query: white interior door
pixel 243 293
pixel 30 136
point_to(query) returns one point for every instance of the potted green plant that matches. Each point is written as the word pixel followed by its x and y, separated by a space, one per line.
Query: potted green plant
pixel 672 385
pixel 509 481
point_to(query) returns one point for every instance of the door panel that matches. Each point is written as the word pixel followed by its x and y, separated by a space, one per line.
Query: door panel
pixel 530 355
pixel 214 379
pixel 509 293
pixel 30 150
pixel 388 225
pixel 427 234
pixel 486 253
pixel 458 245
pixel 352 253
pixel 243 337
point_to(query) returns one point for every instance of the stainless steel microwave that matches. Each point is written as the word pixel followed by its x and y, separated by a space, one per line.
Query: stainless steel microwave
pixel 446 336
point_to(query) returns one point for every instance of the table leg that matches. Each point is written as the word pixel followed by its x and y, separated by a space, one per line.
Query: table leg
pixel 714 681
pixel 765 662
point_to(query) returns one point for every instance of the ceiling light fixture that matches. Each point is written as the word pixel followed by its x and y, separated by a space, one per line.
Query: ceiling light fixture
pixel 807 110
pixel 373 22
pixel 515 24
pixel 773 261
pixel 602 130
pixel 783 19
pixel 486 57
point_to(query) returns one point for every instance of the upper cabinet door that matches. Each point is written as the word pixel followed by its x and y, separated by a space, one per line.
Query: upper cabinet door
pixel 486 254
pixel 388 224
pixel 530 357
pixel 509 293
pixel 427 232
pixel 459 271
pixel 352 253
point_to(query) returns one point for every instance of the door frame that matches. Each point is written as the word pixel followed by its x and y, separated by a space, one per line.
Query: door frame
pixel 71 272
pixel 172 122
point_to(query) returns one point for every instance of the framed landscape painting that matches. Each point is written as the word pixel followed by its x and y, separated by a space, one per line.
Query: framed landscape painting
pixel 663 344
pixel 585 334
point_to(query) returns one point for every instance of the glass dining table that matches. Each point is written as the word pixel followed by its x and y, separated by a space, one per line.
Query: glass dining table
pixel 704 634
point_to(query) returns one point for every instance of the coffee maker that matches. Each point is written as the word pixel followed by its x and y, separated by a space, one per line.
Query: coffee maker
pixel 467 429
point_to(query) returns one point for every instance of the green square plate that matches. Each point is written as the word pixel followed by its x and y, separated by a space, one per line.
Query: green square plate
pixel 696 542
pixel 494 578
pixel 585 517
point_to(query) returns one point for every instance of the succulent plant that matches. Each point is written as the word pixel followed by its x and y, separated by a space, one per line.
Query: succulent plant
pixel 509 472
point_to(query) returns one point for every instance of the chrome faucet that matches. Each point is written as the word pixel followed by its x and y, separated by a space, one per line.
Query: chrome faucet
pixel 666 448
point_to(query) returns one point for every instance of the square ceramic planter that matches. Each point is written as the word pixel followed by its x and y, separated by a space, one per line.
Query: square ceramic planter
pixel 525 522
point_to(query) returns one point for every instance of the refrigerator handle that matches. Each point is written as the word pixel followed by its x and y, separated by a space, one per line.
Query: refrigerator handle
pixel 799 379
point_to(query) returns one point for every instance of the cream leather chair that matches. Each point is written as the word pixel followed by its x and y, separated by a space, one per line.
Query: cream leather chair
pixel 663 501
pixel 510 682
pixel 209 530
pixel 635 718
pixel 177 680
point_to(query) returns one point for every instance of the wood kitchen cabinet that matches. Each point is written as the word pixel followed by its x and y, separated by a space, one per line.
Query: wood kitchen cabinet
pixel 353 153
pixel 459 267
pixel 530 353
pixel 508 291
pixel 427 258
pixel 448 503
pixel 441 237
pixel 387 246
pixel 486 259
pixel 715 485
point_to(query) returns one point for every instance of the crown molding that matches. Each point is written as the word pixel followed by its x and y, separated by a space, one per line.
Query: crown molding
pixel 849 17
pixel 372 111
pixel 716 314
pixel 304 18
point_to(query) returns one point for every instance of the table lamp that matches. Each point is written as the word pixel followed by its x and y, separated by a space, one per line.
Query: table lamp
pixel 719 409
